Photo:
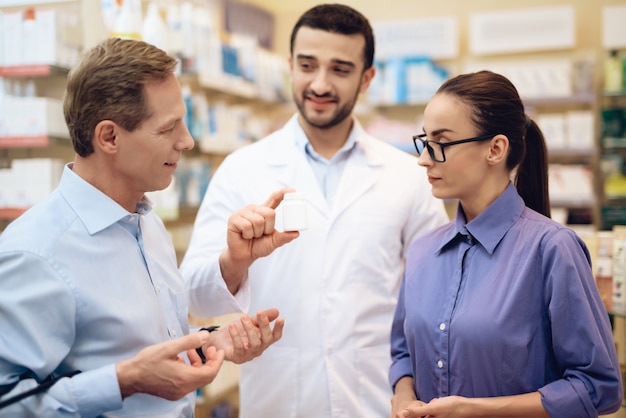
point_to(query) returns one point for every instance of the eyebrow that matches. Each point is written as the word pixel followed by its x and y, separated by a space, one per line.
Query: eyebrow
pixel 334 61
pixel 440 131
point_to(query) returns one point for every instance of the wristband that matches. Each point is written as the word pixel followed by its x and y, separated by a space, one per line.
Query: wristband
pixel 199 349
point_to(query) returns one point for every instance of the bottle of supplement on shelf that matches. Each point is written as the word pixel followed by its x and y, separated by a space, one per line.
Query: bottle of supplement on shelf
pixel 295 212
pixel 613 73
pixel 153 28
pixel 127 24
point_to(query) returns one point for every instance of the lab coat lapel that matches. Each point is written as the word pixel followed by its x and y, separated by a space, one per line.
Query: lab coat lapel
pixel 358 177
pixel 293 170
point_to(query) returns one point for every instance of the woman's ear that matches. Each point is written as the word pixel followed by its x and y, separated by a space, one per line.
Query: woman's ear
pixel 498 150
pixel 105 138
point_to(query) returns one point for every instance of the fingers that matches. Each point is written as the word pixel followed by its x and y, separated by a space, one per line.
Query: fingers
pixel 161 371
pixel 263 319
pixel 277 332
pixel 214 358
pixel 271 314
pixel 259 330
pixel 189 342
pixel 253 221
pixel 251 336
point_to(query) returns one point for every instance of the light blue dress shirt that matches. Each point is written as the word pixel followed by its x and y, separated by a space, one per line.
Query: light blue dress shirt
pixel 506 304
pixel 327 172
pixel 83 285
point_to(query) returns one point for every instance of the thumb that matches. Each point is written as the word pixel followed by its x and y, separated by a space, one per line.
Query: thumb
pixel 282 238
pixel 411 413
pixel 275 198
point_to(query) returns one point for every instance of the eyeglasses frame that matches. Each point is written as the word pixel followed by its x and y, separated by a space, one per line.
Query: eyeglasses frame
pixel 430 150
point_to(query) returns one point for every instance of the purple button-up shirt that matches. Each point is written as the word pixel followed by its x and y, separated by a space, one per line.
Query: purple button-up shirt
pixel 506 304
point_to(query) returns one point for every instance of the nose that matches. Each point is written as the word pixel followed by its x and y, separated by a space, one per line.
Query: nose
pixel 186 141
pixel 424 159
pixel 320 85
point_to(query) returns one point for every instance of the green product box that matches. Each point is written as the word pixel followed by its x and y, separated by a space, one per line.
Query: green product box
pixel 613 215
pixel 613 128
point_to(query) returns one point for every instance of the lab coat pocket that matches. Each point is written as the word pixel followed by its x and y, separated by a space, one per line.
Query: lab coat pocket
pixel 372 367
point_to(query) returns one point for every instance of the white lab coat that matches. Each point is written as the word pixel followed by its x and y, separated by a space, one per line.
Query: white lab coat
pixel 336 285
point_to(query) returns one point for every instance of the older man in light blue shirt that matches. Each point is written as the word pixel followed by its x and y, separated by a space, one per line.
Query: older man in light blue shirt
pixel 80 254
pixel 89 281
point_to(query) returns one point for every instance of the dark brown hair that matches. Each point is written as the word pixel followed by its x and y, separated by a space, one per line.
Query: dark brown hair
pixel 338 18
pixel 497 109
pixel 108 83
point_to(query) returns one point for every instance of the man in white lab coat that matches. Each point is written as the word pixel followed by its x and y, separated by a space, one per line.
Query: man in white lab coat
pixel 337 283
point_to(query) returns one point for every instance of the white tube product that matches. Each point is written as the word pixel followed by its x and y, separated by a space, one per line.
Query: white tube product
pixel 295 212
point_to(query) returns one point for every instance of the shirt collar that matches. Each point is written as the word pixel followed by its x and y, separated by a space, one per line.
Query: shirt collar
pixel 96 210
pixel 492 224
pixel 303 144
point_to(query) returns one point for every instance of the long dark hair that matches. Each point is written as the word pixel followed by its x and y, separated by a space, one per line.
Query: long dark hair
pixel 497 108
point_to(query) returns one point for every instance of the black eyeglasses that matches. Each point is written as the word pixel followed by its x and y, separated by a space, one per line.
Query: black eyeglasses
pixel 435 148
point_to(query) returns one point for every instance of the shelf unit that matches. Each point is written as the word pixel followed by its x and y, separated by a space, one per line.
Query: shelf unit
pixel 576 209
pixel 49 81
pixel 613 208
pixel 36 70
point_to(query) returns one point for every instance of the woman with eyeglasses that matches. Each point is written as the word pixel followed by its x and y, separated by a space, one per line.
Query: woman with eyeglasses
pixel 499 314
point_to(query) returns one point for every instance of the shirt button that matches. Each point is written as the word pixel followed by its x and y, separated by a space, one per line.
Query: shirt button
pixel 158 289
pixel 132 218
pixel 442 326
pixel 173 333
pixel 440 364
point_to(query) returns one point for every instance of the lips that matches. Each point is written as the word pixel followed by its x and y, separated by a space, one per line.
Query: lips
pixel 433 179
pixel 320 100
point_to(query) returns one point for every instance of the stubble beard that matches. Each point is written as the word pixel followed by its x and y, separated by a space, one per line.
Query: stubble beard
pixel 336 118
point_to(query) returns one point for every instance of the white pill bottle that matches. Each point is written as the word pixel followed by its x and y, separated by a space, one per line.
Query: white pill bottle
pixel 295 216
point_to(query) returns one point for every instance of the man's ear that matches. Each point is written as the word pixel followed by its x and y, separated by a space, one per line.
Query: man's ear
pixel 105 136
pixel 366 78
pixel 498 150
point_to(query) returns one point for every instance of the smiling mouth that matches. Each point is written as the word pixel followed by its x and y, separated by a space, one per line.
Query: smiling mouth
pixel 170 164
pixel 320 99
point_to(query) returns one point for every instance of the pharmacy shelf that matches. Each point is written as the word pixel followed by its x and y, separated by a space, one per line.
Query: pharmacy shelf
pixel 229 86
pixel 574 99
pixel 571 155
pixel 14 3
pixel 572 203
pixel 608 93
pixel 35 70
pixel 33 141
